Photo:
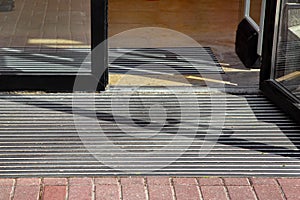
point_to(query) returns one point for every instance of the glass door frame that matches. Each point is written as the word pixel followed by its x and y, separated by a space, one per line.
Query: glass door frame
pixel 258 27
pixel 270 87
pixel 65 83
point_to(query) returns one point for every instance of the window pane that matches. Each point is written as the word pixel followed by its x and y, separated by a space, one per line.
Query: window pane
pixel 287 69
pixel 44 36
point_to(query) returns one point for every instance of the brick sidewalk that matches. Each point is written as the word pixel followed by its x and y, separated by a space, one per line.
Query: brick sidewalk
pixel 159 188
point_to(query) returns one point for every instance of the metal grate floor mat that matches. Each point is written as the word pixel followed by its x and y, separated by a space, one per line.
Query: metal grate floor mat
pixel 39 136
pixel 150 61
pixel 183 60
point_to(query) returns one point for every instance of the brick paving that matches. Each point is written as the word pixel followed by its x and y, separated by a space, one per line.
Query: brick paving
pixel 150 188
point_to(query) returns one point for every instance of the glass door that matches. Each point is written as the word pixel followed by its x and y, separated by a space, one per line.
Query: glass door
pixel 280 76
pixel 44 44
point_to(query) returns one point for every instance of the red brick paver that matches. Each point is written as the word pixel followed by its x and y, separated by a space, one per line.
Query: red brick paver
pixel 236 181
pixel 159 188
pixel 186 188
pixel 107 189
pixel 27 189
pixel 6 188
pixel 152 188
pixel 268 192
pixel 133 189
pixel 55 192
pixel 241 192
pixel 291 188
pixel 210 182
pixel 214 193
pixel 55 181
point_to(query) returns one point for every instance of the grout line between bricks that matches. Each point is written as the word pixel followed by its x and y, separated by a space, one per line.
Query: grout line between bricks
pixel 67 189
pixel 281 189
pixel 225 189
pixel 248 181
pixel 199 189
pixel 93 189
pixel 12 192
pixel 252 188
pixel 120 189
pixel 146 188
pixel 41 189
pixel 172 188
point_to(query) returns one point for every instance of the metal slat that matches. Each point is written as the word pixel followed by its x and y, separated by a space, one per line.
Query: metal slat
pixel 129 61
pixel 38 136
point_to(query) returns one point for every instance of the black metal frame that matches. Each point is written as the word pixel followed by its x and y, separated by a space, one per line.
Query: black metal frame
pixel 60 83
pixel 273 90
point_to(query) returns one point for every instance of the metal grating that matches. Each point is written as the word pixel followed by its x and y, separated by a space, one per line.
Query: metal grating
pixel 38 136
pixel 44 61
pixel 141 61
pixel 152 61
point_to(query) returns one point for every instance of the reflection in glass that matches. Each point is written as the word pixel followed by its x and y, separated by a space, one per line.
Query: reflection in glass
pixel 44 36
pixel 287 69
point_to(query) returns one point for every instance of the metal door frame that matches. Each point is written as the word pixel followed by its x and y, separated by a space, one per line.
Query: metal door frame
pixel 258 27
pixel 60 83
pixel 272 89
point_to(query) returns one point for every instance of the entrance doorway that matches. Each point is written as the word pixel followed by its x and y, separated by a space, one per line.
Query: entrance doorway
pixel 43 43
pixel 212 24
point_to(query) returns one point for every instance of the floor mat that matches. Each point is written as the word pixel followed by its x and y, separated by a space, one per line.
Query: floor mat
pixel 38 135
pixel 123 61
pixel 151 61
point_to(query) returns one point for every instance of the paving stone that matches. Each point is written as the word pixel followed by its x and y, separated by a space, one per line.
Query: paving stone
pixel 263 181
pixel 268 192
pixel 158 192
pixel 107 192
pixel 241 192
pixel 158 188
pixel 291 192
pixel 80 181
pixel 5 192
pixel 184 192
pixel 106 181
pixel 26 192
pixel 54 192
pixel 214 193
pixel 133 180
pixel 80 192
pixel 236 181
pixel 6 182
pixel 210 181
pixel 28 181
pixel 289 182
pixel 158 180
pixel 134 191
pixel 55 181
pixel 185 181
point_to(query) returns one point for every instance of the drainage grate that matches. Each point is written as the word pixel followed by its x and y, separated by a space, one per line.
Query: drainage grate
pixel 130 61
pixel 38 137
